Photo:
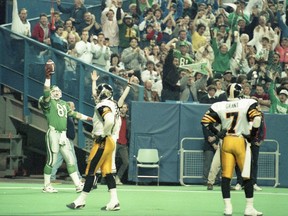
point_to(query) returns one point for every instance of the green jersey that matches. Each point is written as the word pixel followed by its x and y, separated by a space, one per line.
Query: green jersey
pixel 55 111
pixel 276 105
pixel 183 59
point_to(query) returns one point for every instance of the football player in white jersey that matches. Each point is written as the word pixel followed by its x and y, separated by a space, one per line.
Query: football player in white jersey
pixel 106 126
pixel 234 115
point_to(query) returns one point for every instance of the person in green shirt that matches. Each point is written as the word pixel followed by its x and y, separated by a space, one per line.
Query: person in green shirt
pixel 278 105
pixel 56 112
pixel 183 55
pixel 223 55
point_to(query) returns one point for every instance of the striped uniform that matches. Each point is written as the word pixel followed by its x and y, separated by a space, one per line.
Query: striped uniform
pixel 235 117
pixel 101 154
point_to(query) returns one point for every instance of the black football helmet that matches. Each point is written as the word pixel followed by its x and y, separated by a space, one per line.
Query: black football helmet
pixel 234 90
pixel 104 91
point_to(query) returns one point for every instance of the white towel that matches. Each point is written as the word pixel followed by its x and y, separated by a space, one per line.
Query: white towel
pixel 247 163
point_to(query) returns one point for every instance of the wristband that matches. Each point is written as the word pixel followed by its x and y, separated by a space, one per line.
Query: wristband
pixel 47 83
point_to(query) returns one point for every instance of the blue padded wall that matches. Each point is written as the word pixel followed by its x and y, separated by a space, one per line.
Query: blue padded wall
pixel 163 125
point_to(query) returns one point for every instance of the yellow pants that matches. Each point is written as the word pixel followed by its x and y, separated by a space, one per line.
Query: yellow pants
pixel 232 152
pixel 101 157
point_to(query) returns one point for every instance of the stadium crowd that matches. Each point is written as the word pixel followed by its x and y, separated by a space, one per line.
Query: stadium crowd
pixel 187 50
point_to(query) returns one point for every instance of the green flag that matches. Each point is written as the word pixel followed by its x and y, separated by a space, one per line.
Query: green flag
pixel 200 67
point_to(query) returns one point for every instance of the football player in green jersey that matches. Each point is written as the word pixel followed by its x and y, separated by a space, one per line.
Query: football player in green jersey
pixel 56 112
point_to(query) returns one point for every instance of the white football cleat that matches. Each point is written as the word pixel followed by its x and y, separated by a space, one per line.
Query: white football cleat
pixel 118 181
pixel 238 187
pixel 49 189
pixel 250 211
pixel 111 207
pixel 257 188
pixel 80 187
pixel 228 211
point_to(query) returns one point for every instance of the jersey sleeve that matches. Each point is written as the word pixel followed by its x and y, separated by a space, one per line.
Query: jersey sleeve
pixel 253 111
pixel 103 110
pixel 210 117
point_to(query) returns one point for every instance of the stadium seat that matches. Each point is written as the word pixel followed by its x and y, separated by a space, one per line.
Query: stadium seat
pixel 147 159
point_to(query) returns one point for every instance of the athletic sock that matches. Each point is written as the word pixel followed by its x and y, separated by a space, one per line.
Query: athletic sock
pixel 113 196
pixel 75 178
pixel 81 199
pixel 47 180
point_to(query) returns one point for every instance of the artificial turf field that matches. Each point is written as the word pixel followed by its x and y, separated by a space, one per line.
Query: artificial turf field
pixel 18 198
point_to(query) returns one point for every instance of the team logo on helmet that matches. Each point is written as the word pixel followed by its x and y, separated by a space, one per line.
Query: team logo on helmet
pixel 234 90
pixel 104 91
pixel 55 92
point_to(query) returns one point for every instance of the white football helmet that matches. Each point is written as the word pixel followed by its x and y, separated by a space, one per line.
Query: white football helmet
pixel 55 92
pixel 104 91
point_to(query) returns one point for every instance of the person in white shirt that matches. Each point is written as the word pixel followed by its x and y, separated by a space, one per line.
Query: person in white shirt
pixel 110 25
pixel 85 49
pixel 20 24
pixel 150 73
pixel 102 54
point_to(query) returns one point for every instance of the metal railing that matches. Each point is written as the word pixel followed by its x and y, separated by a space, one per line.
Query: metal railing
pixel 191 161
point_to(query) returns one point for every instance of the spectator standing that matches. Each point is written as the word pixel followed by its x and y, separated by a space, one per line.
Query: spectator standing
pixel 183 54
pixel 170 79
pixel 123 143
pixel 247 91
pixel 57 41
pixel 70 133
pixel 70 74
pixel 76 12
pixel 255 147
pixel 262 98
pixel 69 28
pixel 210 147
pixel 72 39
pixel 150 73
pixel 84 48
pixel 282 49
pixel 41 31
pixel 22 26
pixel 89 23
pixel 57 19
pixel 60 44
pixel 205 54
pixel 110 28
pixel 278 102
pixel 190 87
pixel 102 53
pixel 209 98
pixel 261 30
pixel 154 55
pixel 134 58
pixel 149 94
pixel 127 31
pixel 222 56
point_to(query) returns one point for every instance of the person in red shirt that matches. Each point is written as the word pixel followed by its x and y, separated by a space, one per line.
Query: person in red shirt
pixel 122 143
pixel 262 98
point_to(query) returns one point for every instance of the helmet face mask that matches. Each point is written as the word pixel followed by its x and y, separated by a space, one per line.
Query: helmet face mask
pixel 234 91
pixel 55 93
pixel 104 91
